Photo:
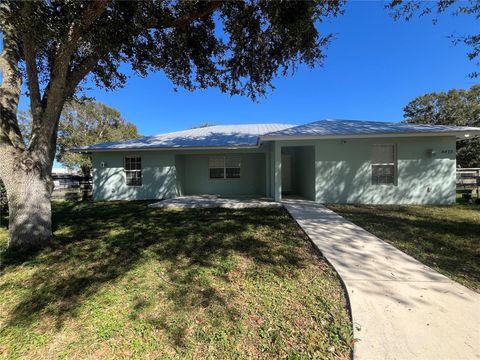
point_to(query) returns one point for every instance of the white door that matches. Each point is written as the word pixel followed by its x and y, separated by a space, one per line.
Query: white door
pixel 286 173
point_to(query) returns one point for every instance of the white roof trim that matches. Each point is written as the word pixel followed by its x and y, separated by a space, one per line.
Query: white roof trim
pixel 458 134
pixel 250 136
pixel 216 136
pixel 88 151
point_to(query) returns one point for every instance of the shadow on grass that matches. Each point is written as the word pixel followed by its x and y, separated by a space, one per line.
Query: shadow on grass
pixel 427 233
pixel 99 243
pixel 3 220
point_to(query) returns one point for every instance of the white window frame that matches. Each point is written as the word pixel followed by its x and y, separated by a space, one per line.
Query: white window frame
pixel 134 170
pixel 392 164
pixel 224 160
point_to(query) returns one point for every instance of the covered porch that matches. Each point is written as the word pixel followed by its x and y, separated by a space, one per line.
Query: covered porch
pixel 270 171
pixel 222 174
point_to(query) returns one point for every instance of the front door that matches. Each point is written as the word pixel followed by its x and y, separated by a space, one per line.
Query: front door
pixel 286 174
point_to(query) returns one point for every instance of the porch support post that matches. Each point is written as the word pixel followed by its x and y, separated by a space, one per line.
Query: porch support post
pixel 278 172
pixel 317 175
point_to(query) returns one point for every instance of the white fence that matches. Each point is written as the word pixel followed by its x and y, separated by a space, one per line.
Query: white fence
pixel 468 178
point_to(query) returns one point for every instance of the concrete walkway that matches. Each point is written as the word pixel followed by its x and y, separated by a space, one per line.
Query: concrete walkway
pixel 401 309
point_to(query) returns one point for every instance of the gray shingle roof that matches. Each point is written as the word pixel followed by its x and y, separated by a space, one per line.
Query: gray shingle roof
pixel 357 127
pixel 211 136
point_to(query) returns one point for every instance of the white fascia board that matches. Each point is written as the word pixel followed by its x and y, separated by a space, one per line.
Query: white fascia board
pixel 88 151
pixel 458 134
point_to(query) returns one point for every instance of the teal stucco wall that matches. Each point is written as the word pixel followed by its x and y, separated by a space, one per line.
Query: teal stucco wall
pixel 329 171
pixel 343 170
pixel 158 176
pixel 252 181
pixel 167 174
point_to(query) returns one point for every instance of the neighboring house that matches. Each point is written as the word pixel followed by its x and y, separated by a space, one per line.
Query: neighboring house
pixel 332 161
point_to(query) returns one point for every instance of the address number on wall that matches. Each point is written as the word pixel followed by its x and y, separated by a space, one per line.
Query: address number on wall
pixel 447 151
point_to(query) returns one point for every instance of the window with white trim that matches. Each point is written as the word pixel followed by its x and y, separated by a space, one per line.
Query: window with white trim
pixel 383 164
pixel 232 167
pixel 133 170
pixel 216 167
pixel 224 167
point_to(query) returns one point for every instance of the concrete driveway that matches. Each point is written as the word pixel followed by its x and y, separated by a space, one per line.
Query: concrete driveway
pixel 401 309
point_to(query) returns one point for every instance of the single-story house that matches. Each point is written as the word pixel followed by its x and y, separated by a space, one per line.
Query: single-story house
pixel 328 161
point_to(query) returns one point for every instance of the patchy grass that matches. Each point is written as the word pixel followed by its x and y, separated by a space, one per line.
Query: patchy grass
pixel 126 281
pixel 446 238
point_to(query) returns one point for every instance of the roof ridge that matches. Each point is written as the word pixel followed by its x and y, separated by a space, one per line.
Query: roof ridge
pixel 227 135
pixel 250 135
pixel 218 125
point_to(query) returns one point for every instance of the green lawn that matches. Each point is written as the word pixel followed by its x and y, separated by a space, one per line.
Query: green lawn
pixel 123 280
pixel 446 238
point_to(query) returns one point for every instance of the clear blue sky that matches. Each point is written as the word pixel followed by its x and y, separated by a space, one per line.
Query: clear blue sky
pixel 375 66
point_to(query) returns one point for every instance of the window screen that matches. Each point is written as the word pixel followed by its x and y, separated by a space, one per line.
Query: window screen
pixel 216 167
pixel 133 170
pixel 232 167
pixel 224 167
pixel 383 164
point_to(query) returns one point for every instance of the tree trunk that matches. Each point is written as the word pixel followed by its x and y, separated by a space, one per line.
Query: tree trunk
pixel 86 171
pixel 30 214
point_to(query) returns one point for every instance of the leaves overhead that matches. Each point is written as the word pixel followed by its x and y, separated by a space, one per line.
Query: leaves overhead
pixel 408 9
pixel 236 46
pixel 455 107
pixel 53 46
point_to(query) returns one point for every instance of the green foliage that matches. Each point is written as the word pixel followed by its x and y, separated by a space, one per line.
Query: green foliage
pixel 408 9
pixel 236 46
pixel 89 122
pixel 455 107
pixel 468 153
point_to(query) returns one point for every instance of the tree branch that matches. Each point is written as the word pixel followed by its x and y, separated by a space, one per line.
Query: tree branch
pixel 56 90
pixel 67 48
pixel 63 82
pixel 29 51
pixel 79 73
pixel 10 90
pixel 89 62
pixel 32 75
pixel 183 21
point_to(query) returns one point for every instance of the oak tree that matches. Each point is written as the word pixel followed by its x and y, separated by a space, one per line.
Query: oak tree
pixel 88 122
pixel 454 107
pixel 52 46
